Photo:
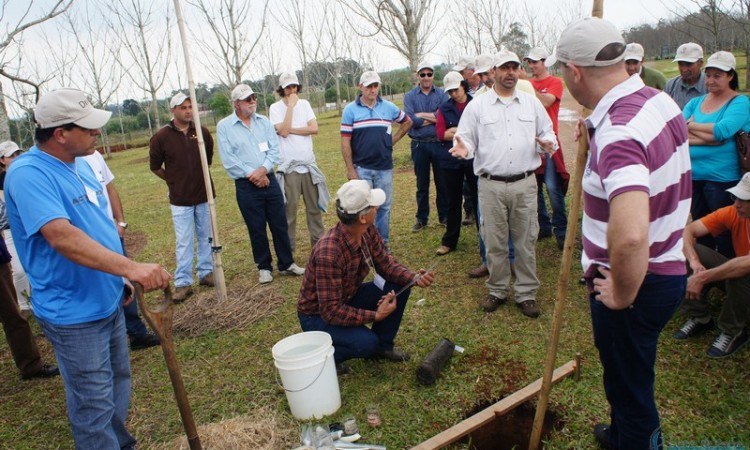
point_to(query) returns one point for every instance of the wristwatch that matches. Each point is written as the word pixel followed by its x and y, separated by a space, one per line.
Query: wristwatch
pixel 124 225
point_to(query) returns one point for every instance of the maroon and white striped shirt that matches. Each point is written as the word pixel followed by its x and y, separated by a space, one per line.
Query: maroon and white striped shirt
pixel 638 142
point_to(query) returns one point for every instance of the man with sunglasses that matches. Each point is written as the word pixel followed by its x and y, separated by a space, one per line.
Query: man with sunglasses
pixel 73 258
pixel 367 140
pixel 420 104
pixel 710 268
pixel 249 148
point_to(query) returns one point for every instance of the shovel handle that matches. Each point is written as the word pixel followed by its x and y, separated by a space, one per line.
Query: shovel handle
pixel 160 320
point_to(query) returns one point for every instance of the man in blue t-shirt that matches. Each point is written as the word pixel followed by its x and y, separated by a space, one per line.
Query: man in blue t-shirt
pixel 367 141
pixel 73 257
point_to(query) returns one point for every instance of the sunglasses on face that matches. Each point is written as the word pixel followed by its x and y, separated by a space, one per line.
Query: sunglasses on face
pixel 425 74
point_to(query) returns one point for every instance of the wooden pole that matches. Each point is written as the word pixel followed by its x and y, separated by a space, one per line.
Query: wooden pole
pixel 564 278
pixel 218 270
pixel 479 419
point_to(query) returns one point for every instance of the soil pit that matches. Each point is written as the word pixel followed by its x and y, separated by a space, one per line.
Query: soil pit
pixel 512 430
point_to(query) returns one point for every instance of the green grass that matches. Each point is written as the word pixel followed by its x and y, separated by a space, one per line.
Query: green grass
pixel 228 374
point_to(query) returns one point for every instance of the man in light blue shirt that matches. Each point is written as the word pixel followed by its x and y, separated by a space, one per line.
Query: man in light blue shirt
pixel 249 148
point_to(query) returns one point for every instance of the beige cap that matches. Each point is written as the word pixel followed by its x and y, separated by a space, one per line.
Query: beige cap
pixel 504 57
pixel 66 105
pixel 368 78
pixel 7 148
pixel 425 65
pixel 582 42
pixel 178 99
pixel 452 80
pixel 288 79
pixel 634 51
pixel 722 60
pixel 241 92
pixel 742 190
pixel 689 52
pixel 537 54
pixel 464 62
pixel 356 195
pixel 484 63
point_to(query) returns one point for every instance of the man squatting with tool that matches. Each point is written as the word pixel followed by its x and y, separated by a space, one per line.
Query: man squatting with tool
pixel 333 297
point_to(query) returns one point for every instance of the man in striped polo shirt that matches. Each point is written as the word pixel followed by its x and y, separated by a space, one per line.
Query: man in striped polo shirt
pixel 637 190
pixel 367 141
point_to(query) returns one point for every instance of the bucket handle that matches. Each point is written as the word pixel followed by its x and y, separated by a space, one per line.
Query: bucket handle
pixel 322 368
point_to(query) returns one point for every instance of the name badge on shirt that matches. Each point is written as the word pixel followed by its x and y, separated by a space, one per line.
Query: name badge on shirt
pixel 389 130
pixel 91 195
pixel 379 281
pixel 263 146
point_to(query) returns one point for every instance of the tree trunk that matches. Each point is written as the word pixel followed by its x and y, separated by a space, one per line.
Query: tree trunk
pixel 4 121
pixel 155 109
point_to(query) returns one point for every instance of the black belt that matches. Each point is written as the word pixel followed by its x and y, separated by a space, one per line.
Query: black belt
pixel 508 179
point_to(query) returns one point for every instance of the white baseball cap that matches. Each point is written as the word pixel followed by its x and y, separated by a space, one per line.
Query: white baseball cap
pixel 425 65
pixel 689 52
pixel 67 105
pixel 589 42
pixel 356 195
pixel 634 51
pixel 722 60
pixel 241 92
pixel 464 62
pixel 369 77
pixel 178 99
pixel 537 54
pixel 484 63
pixel 288 79
pixel 452 80
pixel 7 148
pixel 506 57
pixel 742 190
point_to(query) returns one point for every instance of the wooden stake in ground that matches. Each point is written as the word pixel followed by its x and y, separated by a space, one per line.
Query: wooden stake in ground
pixel 562 282
pixel 160 321
pixel 221 287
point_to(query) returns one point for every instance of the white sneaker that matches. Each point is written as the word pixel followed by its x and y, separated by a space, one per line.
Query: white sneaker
pixel 264 276
pixel 294 269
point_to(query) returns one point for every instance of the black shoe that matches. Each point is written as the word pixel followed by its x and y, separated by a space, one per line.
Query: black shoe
pixel 343 369
pixel 392 355
pixel 693 327
pixel 560 242
pixel 47 371
pixel 544 234
pixel 145 341
pixel 725 345
pixel 601 434
pixel 418 226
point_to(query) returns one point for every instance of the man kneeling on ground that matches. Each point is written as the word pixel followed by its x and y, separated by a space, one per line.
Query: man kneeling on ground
pixel 711 268
pixel 333 297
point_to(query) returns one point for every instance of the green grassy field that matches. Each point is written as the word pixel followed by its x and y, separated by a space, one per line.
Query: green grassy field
pixel 231 374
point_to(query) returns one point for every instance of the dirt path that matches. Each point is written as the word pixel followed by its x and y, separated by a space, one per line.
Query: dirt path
pixel 567 128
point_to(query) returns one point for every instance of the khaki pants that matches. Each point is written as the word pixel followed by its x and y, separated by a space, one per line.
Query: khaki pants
pixel 296 185
pixel 510 209
pixel 17 331
pixel 734 314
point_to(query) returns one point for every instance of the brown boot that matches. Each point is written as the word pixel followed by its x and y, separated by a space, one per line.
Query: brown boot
pixel 182 293
pixel 479 272
pixel 208 280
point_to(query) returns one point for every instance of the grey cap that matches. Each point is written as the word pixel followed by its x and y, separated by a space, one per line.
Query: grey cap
pixel 241 92
pixel 425 65
pixel 178 99
pixel 722 60
pixel 464 62
pixel 288 79
pixel 368 78
pixel 484 63
pixel 537 54
pixel 634 51
pixel 582 42
pixel 66 105
pixel 689 52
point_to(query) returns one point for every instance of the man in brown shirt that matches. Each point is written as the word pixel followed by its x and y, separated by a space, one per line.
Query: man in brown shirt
pixel 175 158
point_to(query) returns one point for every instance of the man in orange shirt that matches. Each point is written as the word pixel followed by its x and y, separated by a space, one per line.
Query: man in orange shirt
pixel 732 275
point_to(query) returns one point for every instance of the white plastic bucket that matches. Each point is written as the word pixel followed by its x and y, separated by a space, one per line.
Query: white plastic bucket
pixel 308 374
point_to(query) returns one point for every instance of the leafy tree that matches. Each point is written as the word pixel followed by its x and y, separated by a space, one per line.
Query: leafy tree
pixel 220 105
pixel 131 107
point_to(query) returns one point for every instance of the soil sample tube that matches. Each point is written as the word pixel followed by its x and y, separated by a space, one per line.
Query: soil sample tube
pixel 429 370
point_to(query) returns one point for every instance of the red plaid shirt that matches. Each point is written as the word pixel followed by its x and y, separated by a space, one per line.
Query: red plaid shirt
pixel 335 270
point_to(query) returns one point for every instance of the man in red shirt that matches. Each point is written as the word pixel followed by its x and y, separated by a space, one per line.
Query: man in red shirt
pixel 552 172
pixel 333 297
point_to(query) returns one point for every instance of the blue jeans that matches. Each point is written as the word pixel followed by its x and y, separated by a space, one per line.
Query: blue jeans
pixel 187 219
pixel 361 341
pixel 553 181
pixel 627 340
pixel 708 196
pixel 94 364
pixel 261 207
pixel 380 179
pixel 423 154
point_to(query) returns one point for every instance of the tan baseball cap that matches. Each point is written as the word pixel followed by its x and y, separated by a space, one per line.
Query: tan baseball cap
pixel 722 60
pixel 742 190
pixel 506 57
pixel 584 42
pixel 67 105
pixel 464 62
pixel 288 79
pixel 369 77
pixel 356 195
pixel 7 148
pixel 452 80
pixel 484 63
pixel 241 92
pixel 178 99
pixel 689 52
pixel 634 51
pixel 537 54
